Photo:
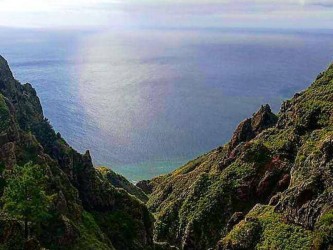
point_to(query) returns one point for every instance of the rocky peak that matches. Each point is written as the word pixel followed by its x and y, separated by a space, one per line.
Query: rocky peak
pixel 249 128
pixel 263 119
pixel 5 72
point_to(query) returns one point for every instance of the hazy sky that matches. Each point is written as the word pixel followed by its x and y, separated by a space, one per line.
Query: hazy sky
pixel 166 13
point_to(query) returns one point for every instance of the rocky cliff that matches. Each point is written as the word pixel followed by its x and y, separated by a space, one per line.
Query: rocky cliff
pixel 270 187
pixel 91 209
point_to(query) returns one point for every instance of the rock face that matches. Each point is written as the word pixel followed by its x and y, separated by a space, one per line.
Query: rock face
pixel 251 127
pixel 89 211
pixel 270 187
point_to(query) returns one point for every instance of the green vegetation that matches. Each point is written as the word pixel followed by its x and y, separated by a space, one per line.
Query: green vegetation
pixel 119 181
pixel 276 234
pixel 91 236
pixel 25 198
pixel 265 229
pixel 324 230
pixel 4 115
pixel 120 224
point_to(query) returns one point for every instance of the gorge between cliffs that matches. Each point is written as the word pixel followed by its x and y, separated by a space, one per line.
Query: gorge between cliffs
pixel 269 187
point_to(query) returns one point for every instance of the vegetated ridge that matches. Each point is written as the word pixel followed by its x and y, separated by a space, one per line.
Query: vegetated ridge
pixel 270 187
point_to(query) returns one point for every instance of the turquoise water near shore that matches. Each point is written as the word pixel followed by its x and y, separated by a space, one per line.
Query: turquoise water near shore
pixel 146 101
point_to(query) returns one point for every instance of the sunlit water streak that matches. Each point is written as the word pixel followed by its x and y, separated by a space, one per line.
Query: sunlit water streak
pixel 146 101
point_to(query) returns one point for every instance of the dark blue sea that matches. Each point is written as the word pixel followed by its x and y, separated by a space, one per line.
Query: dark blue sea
pixel 145 101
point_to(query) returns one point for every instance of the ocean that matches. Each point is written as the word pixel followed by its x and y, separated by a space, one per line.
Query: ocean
pixel 145 101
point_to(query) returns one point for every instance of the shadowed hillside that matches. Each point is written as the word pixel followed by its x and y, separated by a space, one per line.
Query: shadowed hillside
pixel 89 208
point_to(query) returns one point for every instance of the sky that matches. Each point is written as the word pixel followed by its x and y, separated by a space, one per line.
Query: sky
pixel 105 14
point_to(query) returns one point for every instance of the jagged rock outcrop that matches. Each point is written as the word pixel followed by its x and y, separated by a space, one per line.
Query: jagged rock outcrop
pixel 270 187
pixel 249 128
pixel 88 211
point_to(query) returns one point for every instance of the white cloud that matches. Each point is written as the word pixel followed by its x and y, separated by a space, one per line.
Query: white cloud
pixel 123 13
pixel 52 5
pixel 47 5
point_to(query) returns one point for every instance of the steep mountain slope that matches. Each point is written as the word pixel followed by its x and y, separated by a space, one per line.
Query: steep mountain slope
pixel 270 187
pixel 88 210
pixel 121 182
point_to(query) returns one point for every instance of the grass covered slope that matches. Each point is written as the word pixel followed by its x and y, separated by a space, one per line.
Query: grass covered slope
pixel 119 181
pixel 270 187
pixel 86 210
